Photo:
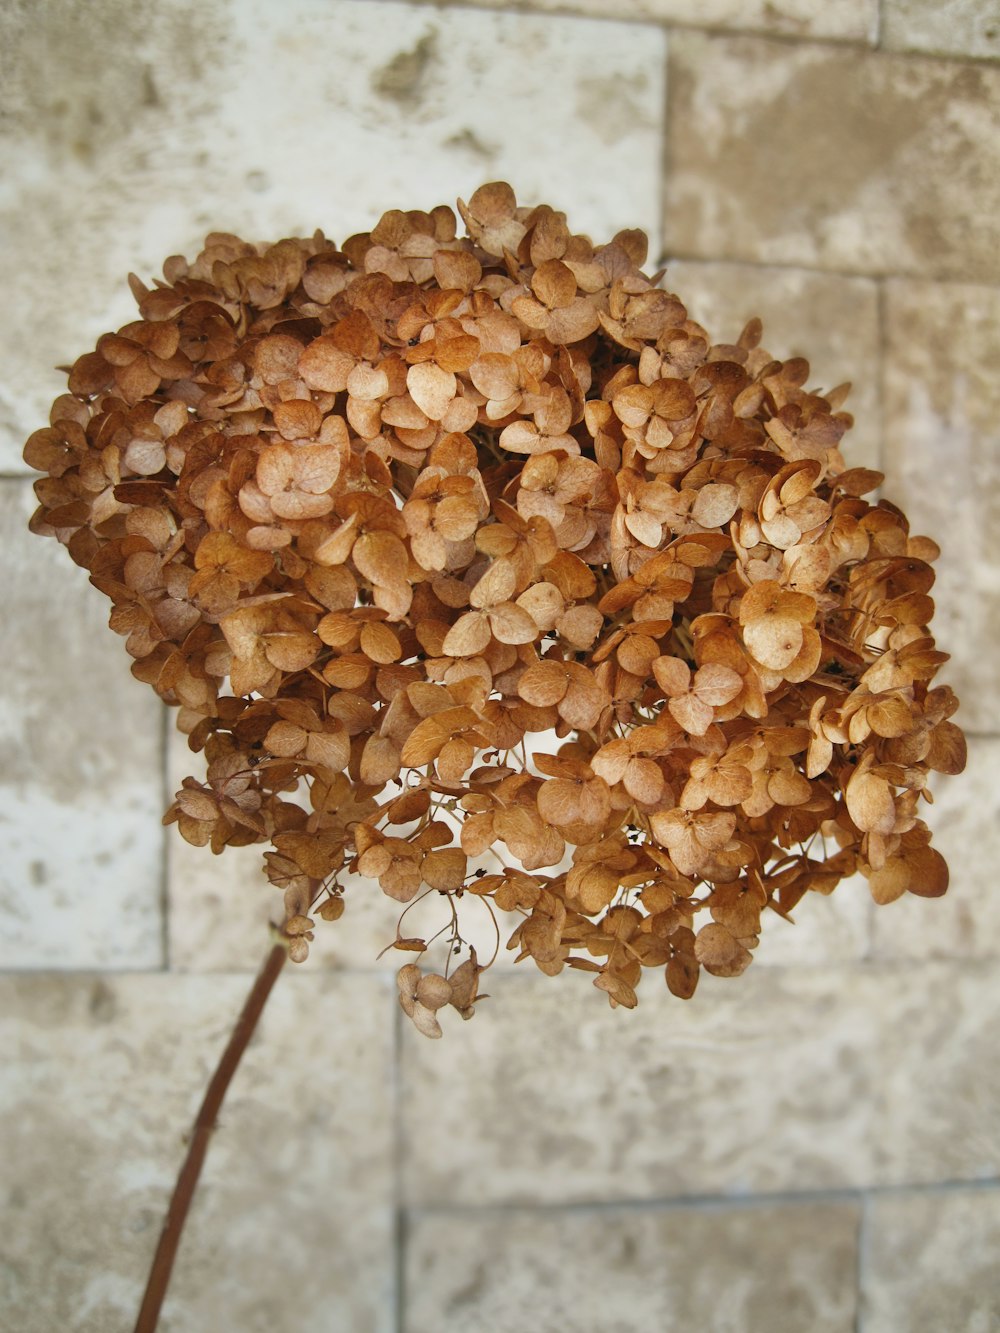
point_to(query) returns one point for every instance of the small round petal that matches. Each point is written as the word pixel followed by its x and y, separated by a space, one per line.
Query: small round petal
pixel 543 684
pixel 469 636
pixel 510 623
pixel 298 419
pixel 434 991
pixel 870 802
pixel 431 388
pixel 774 641
pixel 715 505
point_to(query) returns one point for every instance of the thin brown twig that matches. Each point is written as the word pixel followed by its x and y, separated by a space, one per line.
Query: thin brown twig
pixel 204 1125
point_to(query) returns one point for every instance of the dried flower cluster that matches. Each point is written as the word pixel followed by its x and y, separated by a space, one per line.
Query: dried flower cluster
pixel 452 548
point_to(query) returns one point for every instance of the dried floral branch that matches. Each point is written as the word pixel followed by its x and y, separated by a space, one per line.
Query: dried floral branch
pixel 453 547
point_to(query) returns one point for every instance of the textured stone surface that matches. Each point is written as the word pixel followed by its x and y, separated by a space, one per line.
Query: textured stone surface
pixel 937 1096
pixel 849 19
pixel 945 27
pixel 720 1270
pixel 965 923
pixel 800 153
pixel 942 463
pixel 830 320
pixel 786 1080
pixel 932 1263
pixel 101 1079
pixel 80 786
pixel 132 129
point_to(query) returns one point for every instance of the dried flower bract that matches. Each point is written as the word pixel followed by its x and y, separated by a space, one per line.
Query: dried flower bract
pixel 458 548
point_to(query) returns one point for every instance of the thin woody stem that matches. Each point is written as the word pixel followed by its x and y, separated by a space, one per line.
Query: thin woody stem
pixel 187 1180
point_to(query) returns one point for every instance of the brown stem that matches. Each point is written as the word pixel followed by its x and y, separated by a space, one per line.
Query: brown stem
pixel 187 1180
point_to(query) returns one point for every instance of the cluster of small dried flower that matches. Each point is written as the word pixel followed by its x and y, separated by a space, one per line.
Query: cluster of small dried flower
pixel 460 547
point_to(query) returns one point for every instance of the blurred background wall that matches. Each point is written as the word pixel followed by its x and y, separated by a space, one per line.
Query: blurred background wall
pixel 813 1147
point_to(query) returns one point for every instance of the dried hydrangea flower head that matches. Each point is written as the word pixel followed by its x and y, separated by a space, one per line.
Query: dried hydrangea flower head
pixel 453 549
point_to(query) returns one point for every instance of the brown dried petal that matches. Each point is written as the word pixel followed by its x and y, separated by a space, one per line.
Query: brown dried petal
pixel 716 684
pixel 469 636
pixel 682 976
pixel 297 419
pixel 890 881
pixel 580 625
pixel 286 738
pixel 692 713
pixel 497 584
pixel 775 641
pixel 948 752
pixel 644 781
pixel 553 283
pixel 672 675
pixel 928 873
pixel 715 505
pixel 543 684
pixel 290 651
pixel 510 623
pixel 444 869
pixel 431 388
pixel 380 761
pixel 566 803
pixel 870 801
pixel 619 991
pixel 381 557
pixel 719 952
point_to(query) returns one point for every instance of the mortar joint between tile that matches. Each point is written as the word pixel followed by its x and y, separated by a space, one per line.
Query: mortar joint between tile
pixel 567 13
pixel 863 1261
pixel 790 39
pixel 526 9
pixel 872 45
pixel 877 26
pixel 857 1195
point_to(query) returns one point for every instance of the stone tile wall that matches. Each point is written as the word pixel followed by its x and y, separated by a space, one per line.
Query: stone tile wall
pixel 814 1147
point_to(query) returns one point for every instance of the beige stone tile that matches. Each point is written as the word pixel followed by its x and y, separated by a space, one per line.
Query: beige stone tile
pixel 82 768
pixel 802 153
pixel 937 1096
pixel 942 463
pixel 783 1080
pixel 395 106
pixel 944 27
pixel 291 1227
pixel 932 1263
pixel 965 923
pixel 720 1270
pixel 831 320
pixel 851 20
